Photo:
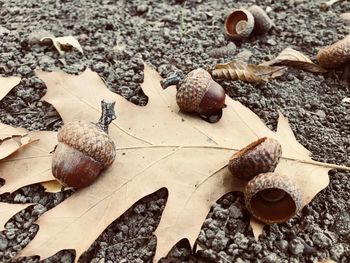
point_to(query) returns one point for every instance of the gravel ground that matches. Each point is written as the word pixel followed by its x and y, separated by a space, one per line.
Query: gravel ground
pixel 117 36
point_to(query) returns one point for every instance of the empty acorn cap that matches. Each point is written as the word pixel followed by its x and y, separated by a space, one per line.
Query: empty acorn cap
pixel 239 24
pixel 258 157
pixel 336 55
pixel 262 21
pixel 272 198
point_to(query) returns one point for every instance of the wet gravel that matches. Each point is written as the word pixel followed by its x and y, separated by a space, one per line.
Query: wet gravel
pixel 117 37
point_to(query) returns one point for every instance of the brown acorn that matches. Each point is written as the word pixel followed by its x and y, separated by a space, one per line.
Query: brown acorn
pixel 272 198
pixel 239 24
pixel 198 93
pixel 262 22
pixel 84 149
pixel 335 55
pixel 260 156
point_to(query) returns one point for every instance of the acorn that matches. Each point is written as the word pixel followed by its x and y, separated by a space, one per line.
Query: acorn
pixel 262 22
pixel 272 198
pixel 239 24
pixel 260 156
pixel 198 93
pixel 335 55
pixel 84 149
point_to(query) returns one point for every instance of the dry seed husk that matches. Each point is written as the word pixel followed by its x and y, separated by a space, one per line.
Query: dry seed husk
pixel 225 51
pixel 236 69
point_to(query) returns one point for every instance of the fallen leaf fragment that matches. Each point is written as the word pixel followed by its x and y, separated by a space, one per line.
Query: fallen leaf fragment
pixel 326 261
pixel 239 70
pixel 257 228
pixel 346 17
pixel 52 186
pixel 158 147
pixel 30 166
pixel 324 6
pixel 6 84
pixel 12 139
pixel 294 58
pixel 63 44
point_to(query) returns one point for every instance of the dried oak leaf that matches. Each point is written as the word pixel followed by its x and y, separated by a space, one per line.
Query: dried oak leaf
pixel 6 84
pixel 346 17
pixel 11 139
pixel 157 146
pixel 239 70
pixel 31 164
pixel 326 261
pixel 293 58
pixel 63 44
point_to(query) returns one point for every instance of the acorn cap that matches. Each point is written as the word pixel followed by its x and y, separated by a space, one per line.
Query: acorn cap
pixel 335 55
pixel 239 24
pixel 260 156
pixel 272 198
pixel 262 22
pixel 196 91
pixel 89 139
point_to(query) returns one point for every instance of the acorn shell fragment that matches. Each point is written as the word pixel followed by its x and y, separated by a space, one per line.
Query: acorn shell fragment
pixel 262 22
pixel 260 156
pixel 272 198
pixel 239 24
pixel 335 55
pixel 199 93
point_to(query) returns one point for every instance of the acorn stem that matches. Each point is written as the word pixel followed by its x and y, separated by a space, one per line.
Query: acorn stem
pixel 173 79
pixel 107 116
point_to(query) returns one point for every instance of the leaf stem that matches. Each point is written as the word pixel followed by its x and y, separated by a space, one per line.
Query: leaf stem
pixel 175 146
pixel 328 165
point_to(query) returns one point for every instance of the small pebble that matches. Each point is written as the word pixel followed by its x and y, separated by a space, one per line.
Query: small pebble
pixel 296 247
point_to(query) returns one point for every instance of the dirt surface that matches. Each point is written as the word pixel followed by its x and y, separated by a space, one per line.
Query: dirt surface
pixel 117 37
